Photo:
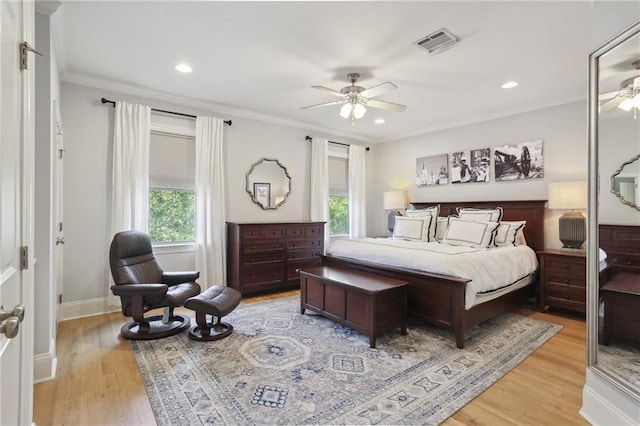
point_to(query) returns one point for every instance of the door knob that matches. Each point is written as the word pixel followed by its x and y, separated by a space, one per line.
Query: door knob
pixel 59 240
pixel 10 327
pixel 17 312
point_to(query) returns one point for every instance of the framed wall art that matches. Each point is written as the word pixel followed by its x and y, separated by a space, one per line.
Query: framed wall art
pixel 519 161
pixel 262 193
pixel 432 170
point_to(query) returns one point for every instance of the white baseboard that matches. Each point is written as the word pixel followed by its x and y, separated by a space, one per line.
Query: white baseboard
pixel 604 405
pixel 85 308
pixel 44 367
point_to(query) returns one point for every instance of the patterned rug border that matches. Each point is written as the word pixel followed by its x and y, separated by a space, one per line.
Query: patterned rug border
pixel 164 369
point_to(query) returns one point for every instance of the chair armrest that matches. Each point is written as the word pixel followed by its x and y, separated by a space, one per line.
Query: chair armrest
pixel 173 278
pixel 140 289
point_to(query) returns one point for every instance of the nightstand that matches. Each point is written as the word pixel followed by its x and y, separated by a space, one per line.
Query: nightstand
pixel 563 279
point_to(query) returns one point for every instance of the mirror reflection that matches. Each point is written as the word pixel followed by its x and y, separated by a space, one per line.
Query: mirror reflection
pixel 624 183
pixel 268 183
pixel 618 141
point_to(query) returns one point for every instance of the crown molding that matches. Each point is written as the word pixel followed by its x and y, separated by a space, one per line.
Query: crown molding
pixel 113 86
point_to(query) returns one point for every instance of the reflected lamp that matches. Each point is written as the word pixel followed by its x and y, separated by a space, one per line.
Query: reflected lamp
pixel 572 224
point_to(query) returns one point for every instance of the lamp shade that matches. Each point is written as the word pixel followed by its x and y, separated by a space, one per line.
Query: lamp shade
pixel 568 195
pixel 394 200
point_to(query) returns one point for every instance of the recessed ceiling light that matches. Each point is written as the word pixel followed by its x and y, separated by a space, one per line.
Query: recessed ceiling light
pixel 379 121
pixel 183 68
pixel 509 85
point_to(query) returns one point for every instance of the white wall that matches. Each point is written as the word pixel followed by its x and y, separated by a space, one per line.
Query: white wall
pixel 563 130
pixel 87 187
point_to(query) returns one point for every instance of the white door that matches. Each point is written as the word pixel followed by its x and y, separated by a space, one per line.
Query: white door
pixel 16 213
pixel 59 221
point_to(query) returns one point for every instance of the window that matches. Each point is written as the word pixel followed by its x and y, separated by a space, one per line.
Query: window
pixel 171 188
pixel 338 190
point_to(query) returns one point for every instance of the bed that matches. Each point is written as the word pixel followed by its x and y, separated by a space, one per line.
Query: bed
pixel 439 299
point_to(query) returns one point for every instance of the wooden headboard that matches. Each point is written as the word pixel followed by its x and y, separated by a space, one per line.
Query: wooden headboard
pixel 531 211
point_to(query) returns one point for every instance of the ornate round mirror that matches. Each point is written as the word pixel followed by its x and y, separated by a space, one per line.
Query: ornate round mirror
pixel 625 181
pixel 268 183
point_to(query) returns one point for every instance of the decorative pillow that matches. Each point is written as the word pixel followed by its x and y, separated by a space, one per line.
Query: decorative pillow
pixel 480 215
pixel 412 228
pixel 442 223
pixel 507 233
pixel 469 233
pixel 520 239
pixel 432 212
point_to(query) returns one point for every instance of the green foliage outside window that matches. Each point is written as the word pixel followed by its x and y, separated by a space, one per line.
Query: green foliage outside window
pixel 338 215
pixel 171 215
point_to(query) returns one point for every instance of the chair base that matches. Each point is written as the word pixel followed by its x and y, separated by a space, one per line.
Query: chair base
pixel 211 332
pixel 157 329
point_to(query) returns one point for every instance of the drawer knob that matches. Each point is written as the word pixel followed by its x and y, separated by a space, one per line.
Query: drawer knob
pixel 566 281
pixel 253 276
pixel 566 266
pixel 253 259
pixel 628 250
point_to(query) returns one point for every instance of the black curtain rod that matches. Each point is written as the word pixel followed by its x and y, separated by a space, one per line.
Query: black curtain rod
pixel 337 143
pixel 107 101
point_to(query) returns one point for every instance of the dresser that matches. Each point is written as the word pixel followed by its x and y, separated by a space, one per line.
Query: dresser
pixel 563 279
pixel 265 256
pixel 622 245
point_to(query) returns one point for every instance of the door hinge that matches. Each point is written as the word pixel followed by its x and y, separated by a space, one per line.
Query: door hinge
pixel 24 257
pixel 25 48
pixel 60 153
pixel 59 226
pixel 60 298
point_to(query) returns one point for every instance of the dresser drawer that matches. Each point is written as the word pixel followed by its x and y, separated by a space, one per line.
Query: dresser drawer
pixel 566 265
pixel 626 236
pixel 554 278
pixel 555 292
pixel 251 247
pixel 263 273
pixel 295 265
pixel 265 232
pixel 303 244
pixel 263 257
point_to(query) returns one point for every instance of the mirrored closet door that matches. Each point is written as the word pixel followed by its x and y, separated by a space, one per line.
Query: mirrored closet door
pixel 614 208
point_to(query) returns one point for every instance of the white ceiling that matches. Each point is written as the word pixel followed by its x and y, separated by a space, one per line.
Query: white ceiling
pixel 260 59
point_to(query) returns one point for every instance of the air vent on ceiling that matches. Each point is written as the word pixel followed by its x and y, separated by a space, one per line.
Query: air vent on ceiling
pixel 437 42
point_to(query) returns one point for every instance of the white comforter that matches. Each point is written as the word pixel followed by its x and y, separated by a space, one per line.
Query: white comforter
pixel 488 269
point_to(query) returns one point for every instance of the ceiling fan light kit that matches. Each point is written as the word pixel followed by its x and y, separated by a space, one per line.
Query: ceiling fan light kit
pixel 355 99
pixel 627 97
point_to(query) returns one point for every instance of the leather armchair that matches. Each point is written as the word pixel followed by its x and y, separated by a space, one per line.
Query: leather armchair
pixel 142 285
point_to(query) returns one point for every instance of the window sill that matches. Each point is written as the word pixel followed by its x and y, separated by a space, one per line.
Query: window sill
pixel 338 237
pixel 170 248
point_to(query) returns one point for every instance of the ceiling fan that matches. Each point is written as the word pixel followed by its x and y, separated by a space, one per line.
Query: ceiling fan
pixel 627 97
pixel 355 99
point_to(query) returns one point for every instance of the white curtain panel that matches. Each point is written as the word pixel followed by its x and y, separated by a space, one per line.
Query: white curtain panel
pixel 357 192
pixel 130 177
pixel 210 203
pixel 319 206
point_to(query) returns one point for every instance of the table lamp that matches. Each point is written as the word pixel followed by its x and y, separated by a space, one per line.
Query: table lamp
pixel 572 224
pixel 394 200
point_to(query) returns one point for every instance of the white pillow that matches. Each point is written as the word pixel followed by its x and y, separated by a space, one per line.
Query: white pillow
pixel 507 233
pixel 480 215
pixel 520 239
pixel 412 228
pixel 442 223
pixel 469 233
pixel 432 212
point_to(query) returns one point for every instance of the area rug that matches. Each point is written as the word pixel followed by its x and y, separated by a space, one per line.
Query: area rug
pixel 280 367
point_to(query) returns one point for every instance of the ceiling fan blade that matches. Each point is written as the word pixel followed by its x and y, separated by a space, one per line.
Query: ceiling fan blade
pixel 378 90
pixel 386 105
pixel 324 104
pixel 326 89
pixel 612 103
pixel 607 95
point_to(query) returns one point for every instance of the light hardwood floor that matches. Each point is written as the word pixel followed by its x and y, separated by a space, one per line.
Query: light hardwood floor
pixel 98 382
